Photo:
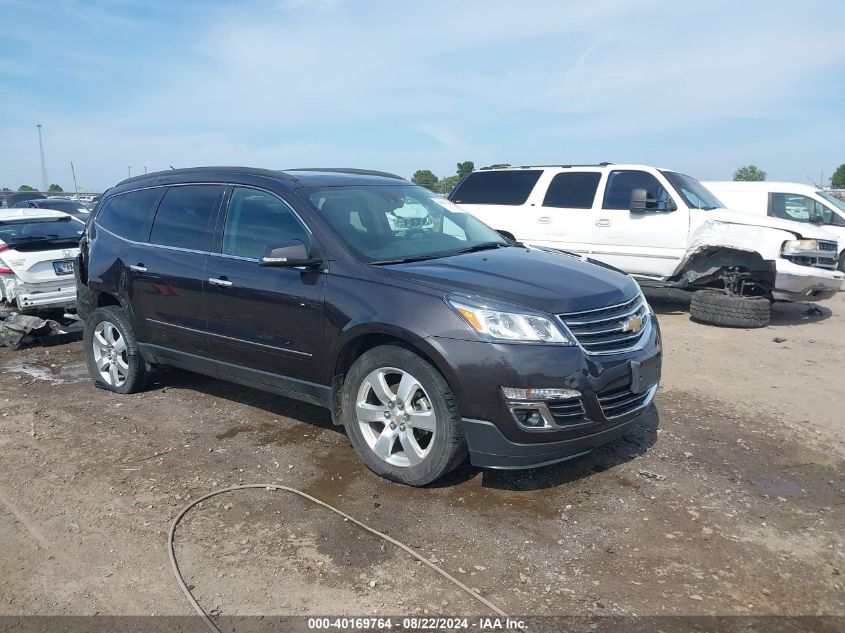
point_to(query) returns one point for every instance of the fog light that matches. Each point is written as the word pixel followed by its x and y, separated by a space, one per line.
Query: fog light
pixel 531 418
pixel 514 393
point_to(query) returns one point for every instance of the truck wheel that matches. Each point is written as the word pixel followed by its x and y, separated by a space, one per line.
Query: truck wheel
pixel 717 308
pixel 111 352
pixel 401 416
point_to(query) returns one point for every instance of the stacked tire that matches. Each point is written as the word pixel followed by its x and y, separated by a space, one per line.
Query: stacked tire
pixel 717 308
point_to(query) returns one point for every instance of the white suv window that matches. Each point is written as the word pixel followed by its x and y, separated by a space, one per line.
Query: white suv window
pixel 572 190
pixel 620 184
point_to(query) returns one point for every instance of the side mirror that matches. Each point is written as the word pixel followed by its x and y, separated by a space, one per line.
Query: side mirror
pixel 816 217
pixel 288 255
pixel 642 202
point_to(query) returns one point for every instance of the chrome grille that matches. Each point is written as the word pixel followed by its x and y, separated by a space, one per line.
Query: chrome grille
pixel 827 246
pixel 567 412
pixel 617 402
pixel 602 331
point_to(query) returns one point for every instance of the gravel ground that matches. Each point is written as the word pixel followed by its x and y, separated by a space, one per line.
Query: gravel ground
pixel 728 499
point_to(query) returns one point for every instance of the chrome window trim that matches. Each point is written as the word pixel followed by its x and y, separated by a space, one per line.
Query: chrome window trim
pixel 150 244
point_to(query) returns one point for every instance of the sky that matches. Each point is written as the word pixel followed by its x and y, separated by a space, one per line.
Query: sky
pixel 701 87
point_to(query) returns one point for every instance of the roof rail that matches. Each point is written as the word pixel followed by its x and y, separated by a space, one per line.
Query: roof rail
pixel 603 164
pixel 257 171
pixel 349 170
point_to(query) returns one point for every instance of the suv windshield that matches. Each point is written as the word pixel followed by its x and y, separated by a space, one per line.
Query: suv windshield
pixel 384 224
pixel 64 230
pixel 840 204
pixel 696 195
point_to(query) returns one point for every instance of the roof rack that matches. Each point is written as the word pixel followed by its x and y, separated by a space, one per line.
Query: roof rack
pixel 349 170
pixel 603 164
pixel 273 173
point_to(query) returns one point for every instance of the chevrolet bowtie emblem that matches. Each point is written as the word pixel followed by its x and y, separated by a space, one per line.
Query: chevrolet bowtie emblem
pixel 634 324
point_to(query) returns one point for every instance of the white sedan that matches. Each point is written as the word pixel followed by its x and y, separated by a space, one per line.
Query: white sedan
pixel 37 251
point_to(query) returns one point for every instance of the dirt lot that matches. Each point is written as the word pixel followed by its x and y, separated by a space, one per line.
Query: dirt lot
pixel 729 499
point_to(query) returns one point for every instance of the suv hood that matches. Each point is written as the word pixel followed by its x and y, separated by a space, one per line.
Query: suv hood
pixel 547 281
pixel 753 219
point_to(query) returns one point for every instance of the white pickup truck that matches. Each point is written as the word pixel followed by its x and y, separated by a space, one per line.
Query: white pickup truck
pixel 663 228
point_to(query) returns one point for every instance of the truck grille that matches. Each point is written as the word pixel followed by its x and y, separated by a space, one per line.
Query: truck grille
pixel 567 412
pixel 827 246
pixel 608 330
pixel 619 401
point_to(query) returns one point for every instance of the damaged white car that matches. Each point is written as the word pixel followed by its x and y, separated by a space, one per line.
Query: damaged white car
pixel 663 228
pixel 37 251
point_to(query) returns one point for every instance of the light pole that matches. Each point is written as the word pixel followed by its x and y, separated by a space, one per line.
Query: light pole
pixel 129 170
pixel 45 184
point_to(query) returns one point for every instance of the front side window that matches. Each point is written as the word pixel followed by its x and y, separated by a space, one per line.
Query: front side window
pixel 798 208
pixel 184 215
pixel 394 223
pixel 572 190
pixel 127 214
pixel 257 219
pixel 510 187
pixel 620 185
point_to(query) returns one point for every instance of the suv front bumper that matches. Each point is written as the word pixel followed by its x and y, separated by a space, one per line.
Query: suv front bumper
pixel 794 282
pixel 477 371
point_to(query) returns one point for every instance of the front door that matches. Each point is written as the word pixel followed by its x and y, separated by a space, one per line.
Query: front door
pixel 265 322
pixel 650 243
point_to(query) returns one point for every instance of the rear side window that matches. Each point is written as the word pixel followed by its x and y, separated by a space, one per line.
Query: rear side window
pixel 256 220
pixel 573 190
pixel 620 184
pixel 128 214
pixel 184 215
pixel 497 187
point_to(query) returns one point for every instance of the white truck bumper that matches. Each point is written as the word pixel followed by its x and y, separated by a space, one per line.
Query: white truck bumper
pixel 805 283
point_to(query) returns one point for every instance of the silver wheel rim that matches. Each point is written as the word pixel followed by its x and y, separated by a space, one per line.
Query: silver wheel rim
pixel 395 416
pixel 110 354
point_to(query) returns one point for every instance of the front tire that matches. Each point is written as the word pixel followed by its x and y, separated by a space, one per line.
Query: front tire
pixel 716 308
pixel 111 351
pixel 401 416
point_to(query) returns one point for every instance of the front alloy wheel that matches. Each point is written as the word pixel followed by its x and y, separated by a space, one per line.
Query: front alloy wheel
pixel 396 417
pixel 110 354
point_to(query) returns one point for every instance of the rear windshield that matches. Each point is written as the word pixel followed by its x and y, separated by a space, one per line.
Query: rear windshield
pixel 49 231
pixel 496 187
pixel 68 206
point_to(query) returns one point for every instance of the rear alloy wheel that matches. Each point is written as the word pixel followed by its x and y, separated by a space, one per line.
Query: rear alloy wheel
pixel 401 417
pixel 717 308
pixel 111 352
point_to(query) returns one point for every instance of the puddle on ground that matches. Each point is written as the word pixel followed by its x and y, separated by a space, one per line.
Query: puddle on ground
pixel 72 372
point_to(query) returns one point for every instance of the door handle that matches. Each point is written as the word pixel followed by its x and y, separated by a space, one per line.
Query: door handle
pixel 138 268
pixel 603 222
pixel 222 283
pixel 544 219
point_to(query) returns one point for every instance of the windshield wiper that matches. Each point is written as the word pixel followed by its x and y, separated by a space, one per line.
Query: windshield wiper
pixel 483 246
pixel 405 260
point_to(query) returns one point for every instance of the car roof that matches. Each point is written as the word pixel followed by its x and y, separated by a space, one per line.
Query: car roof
pixel 591 166
pixel 31 214
pixel 295 178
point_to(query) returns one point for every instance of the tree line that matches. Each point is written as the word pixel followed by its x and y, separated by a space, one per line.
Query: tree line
pixel 54 188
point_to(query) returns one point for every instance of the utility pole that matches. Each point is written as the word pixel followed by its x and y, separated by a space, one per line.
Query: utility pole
pixel 145 170
pixel 129 170
pixel 45 184
pixel 75 186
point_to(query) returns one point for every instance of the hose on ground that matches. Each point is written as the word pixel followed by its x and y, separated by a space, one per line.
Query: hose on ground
pixel 210 623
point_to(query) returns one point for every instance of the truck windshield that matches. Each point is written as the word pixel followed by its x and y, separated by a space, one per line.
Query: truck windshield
pixel 839 204
pixel 389 224
pixel 696 195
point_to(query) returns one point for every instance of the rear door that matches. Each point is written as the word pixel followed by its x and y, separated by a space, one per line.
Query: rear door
pixel 263 321
pixel 167 270
pixel 566 210
pixel 651 243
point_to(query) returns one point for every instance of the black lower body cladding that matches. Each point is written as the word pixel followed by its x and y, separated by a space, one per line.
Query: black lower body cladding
pixel 612 397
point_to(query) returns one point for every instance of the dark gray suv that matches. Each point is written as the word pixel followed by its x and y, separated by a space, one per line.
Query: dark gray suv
pixel 427 334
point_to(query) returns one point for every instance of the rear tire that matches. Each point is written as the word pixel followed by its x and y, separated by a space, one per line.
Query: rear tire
pixel 401 416
pixel 111 352
pixel 716 308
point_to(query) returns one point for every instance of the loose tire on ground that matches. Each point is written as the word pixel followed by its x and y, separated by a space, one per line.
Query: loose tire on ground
pixel 133 369
pixel 717 308
pixel 446 447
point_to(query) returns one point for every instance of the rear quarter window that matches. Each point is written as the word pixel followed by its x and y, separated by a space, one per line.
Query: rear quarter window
pixel 497 187
pixel 128 214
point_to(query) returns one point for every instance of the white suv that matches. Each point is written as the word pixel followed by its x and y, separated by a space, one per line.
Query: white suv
pixel 664 228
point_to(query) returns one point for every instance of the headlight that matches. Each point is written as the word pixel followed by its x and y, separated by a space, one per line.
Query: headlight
pixel 798 247
pixel 511 326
